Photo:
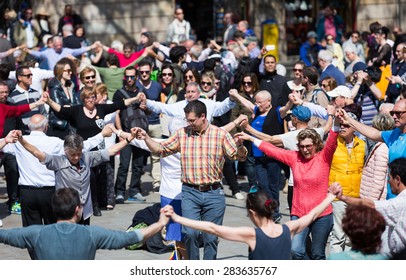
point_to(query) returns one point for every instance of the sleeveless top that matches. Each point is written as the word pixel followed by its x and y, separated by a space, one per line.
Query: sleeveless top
pixel 272 248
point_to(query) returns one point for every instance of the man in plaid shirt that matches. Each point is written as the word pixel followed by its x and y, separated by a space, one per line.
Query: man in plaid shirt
pixel 202 147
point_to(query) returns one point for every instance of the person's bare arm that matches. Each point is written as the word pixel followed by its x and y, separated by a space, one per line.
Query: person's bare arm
pixel 120 145
pixel 55 106
pixel 367 131
pixel 235 123
pixel 141 134
pixel 299 225
pixel 155 227
pixel 337 190
pixel 245 102
pixel 284 109
pixel 274 140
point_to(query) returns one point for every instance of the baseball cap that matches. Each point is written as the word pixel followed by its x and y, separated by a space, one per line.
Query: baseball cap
pixel 302 113
pixel 359 66
pixel 340 91
pixel 311 34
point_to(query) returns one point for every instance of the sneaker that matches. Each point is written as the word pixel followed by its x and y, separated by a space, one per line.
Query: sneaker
pixel 1 223
pixel 238 196
pixel 16 208
pixel 119 199
pixel 137 198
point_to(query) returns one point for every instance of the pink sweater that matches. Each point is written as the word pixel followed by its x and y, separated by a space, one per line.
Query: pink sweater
pixel 310 176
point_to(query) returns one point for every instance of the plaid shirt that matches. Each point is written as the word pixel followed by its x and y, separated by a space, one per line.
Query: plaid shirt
pixel 202 154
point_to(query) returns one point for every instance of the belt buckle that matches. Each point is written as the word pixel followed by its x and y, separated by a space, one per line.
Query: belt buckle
pixel 202 188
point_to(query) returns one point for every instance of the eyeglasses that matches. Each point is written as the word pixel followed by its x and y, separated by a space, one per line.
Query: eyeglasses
pixel 90 77
pixel 190 121
pixel 130 77
pixel 167 74
pixel 189 77
pixel 324 85
pixel 247 83
pixel 308 147
pixel 397 113
pixel 344 125
pixel 90 97
pixel 26 75
pixel 144 72
pixel 206 83
pixel 297 70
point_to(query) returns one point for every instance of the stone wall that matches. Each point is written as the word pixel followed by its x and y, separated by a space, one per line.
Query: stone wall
pixel 107 20
pixel 388 12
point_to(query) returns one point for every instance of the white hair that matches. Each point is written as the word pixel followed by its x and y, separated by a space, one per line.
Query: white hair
pixel 325 55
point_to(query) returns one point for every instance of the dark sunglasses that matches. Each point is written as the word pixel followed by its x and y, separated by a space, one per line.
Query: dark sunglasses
pixel 397 113
pixel 247 83
pixel 297 70
pixel 145 72
pixel 167 74
pixel 206 83
pixel 26 75
pixel 90 77
pixel 189 77
pixel 130 77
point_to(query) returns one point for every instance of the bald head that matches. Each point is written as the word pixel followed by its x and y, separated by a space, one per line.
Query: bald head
pixel 264 94
pixel 38 123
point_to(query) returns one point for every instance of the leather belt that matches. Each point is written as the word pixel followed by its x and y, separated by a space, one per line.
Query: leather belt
pixel 204 188
pixel 24 187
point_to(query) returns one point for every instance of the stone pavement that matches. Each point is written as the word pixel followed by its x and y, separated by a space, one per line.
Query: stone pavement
pixel 120 218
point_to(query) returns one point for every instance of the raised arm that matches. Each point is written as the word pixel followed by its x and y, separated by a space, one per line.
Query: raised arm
pixel 120 145
pixel 367 131
pixel 235 123
pixel 31 148
pixel 141 134
pixel 55 106
pixel 11 137
pixel 243 101
pixel 336 189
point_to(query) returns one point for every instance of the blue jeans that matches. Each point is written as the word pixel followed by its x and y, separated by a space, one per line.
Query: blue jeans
pixel 250 171
pixel 205 206
pixel 320 230
pixel 268 173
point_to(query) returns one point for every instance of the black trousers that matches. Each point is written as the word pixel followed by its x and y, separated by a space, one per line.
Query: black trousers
pixel 9 162
pixel 36 208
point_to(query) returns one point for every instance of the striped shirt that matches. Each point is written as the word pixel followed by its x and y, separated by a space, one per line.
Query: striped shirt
pixel 202 154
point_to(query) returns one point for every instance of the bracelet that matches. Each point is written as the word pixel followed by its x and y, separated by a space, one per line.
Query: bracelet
pixel 128 141
pixel 331 115
pixel 358 83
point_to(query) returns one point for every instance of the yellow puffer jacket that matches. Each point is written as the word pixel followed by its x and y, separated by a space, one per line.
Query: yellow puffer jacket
pixel 347 168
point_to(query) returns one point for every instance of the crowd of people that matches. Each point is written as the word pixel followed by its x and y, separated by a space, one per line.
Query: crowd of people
pixel 206 113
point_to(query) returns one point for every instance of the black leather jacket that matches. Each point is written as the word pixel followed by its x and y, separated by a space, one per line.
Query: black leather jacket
pixel 57 94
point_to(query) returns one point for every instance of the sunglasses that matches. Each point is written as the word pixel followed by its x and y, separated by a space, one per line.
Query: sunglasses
pixel 90 77
pixel 189 77
pixel 26 75
pixel 297 70
pixel 130 77
pixel 167 74
pixel 308 147
pixel 398 114
pixel 144 72
pixel 247 83
pixel 206 83
pixel 324 85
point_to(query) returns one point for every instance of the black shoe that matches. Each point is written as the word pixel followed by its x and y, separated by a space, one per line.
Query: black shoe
pixel 96 211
